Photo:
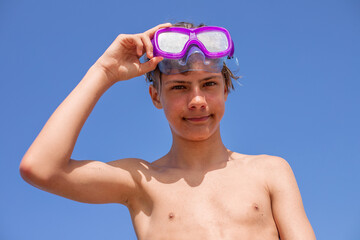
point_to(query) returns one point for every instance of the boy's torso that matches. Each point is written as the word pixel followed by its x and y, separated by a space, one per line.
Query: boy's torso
pixel 229 202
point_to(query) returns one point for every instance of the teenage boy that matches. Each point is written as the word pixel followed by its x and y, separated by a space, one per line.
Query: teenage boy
pixel 199 189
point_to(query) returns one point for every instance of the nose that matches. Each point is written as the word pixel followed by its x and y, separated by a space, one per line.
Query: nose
pixel 197 101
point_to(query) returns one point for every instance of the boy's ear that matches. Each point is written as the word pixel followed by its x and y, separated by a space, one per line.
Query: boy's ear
pixel 155 97
pixel 226 92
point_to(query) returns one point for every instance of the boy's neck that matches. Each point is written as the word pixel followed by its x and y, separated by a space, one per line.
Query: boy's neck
pixel 198 155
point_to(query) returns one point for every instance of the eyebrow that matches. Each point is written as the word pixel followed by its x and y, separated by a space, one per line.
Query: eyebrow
pixel 176 81
pixel 187 82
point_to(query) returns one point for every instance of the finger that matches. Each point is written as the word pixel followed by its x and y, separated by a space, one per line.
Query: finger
pixel 149 65
pixel 148 45
pixel 152 31
pixel 139 45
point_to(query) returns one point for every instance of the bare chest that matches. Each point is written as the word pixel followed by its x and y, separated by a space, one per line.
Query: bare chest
pixel 212 206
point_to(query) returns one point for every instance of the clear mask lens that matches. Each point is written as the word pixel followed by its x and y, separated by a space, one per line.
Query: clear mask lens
pixel 214 41
pixel 172 42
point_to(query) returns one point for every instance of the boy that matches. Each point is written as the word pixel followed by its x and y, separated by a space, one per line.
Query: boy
pixel 199 189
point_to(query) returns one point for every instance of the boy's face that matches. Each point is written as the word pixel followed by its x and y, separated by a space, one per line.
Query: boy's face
pixel 193 102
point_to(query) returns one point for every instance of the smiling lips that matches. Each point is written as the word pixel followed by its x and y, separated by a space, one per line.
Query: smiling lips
pixel 198 119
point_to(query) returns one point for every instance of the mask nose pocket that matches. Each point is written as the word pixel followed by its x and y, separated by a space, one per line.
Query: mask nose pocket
pixel 193 55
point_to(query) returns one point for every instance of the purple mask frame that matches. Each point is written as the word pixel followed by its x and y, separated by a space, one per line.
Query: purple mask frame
pixel 193 40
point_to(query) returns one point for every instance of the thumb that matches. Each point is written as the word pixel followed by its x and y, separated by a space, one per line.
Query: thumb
pixel 149 65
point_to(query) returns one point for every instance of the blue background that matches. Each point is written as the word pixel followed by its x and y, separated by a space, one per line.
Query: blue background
pixel 299 99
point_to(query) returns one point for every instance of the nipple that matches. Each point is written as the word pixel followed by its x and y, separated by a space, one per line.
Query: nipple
pixel 257 209
pixel 171 216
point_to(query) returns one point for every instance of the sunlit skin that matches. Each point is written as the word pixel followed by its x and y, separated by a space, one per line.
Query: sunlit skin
pixel 190 188
pixel 193 103
pixel 199 189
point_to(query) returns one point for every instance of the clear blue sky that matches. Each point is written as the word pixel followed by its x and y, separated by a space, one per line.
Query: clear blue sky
pixel 300 62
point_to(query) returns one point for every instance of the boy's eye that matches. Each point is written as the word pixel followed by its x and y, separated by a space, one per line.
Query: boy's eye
pixel 178 87
pixel 209 84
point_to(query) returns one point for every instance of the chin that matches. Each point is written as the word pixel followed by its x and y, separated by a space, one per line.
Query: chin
pixel 196 139
pixel 194 136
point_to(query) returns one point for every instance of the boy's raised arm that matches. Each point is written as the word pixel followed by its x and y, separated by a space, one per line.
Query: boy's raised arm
pixel 47 162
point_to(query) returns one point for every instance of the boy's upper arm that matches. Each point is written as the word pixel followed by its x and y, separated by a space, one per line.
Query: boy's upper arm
pixel 97 182
pixel 287 206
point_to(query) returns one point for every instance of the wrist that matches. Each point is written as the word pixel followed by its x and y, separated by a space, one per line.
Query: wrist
pixel 103 74
pixel 109 67
pixel 98 78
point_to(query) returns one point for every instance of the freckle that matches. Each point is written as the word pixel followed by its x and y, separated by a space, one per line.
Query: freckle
pixel 171 216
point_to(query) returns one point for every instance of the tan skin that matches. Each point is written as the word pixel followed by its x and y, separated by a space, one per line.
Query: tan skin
pixel 198 190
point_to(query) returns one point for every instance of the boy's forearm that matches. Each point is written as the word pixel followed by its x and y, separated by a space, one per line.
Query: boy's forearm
pixel 52 149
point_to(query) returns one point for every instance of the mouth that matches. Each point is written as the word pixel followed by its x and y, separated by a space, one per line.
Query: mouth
pixel 198 118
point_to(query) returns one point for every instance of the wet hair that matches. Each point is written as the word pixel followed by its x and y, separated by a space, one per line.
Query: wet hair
pixel 154 77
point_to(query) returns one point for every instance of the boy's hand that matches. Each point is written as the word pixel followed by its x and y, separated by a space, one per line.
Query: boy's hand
pixel 121 60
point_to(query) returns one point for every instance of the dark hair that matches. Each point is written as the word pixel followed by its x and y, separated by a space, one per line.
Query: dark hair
pixel 154 77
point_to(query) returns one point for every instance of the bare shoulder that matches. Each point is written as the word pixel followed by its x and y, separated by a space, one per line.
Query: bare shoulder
pixel 278 173
pixel 273 162
pixel 265 161
pixel 272 169
pixel 273 166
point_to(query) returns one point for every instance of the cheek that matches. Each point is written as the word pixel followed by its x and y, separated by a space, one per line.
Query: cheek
pixel 217 105
pixel 221 108
pixel 173 108
pixel 217 100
